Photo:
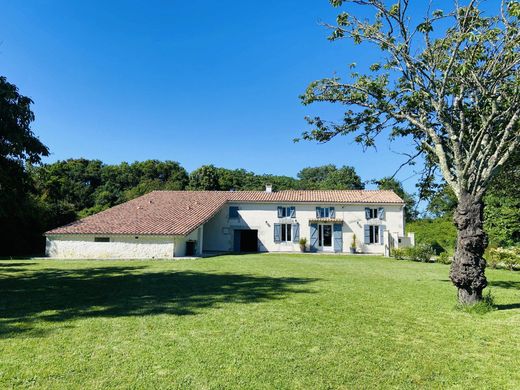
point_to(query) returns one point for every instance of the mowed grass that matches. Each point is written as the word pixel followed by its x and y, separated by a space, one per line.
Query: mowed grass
pixel 251 322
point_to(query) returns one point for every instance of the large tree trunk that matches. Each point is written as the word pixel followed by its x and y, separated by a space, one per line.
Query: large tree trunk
pixel 467 270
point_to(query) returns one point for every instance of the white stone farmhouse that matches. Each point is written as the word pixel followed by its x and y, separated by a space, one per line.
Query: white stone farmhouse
pixel 167 224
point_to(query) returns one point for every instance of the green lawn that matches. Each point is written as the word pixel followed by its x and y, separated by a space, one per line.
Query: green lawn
pixel 255 321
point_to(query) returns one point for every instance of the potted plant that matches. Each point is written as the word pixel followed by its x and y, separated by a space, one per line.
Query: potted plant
pixel 303 243
pixel 353 244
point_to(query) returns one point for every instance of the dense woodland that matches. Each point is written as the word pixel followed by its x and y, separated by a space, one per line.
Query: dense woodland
pixel 54 194
pixel 61 192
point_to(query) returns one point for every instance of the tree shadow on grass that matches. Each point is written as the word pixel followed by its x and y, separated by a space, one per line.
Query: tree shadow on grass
pixel 15 264
pixel 511 306
pixel 510 284
pixel 57 295
pixel 13 267
pixel 507 284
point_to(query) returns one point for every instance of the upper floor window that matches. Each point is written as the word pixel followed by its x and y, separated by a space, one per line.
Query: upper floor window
pixel 325 212
pixel 286 212
pixel 101 239
pixel 375 213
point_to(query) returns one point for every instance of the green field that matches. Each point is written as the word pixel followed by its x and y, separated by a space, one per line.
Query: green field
pixel 251 322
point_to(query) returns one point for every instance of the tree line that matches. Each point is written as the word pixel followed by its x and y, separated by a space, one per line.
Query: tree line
pixel 64 191
pixel 58 193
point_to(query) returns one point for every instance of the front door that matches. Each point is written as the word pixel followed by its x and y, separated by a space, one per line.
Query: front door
pixel 325 237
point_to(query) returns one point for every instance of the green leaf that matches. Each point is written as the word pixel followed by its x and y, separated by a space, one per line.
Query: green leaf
pixel 514 8
pixel 425 27
pixel 438 13
pixel 394 9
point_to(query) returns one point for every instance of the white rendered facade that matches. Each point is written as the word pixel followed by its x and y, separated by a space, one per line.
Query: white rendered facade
pixel 219 231
pixel 377 228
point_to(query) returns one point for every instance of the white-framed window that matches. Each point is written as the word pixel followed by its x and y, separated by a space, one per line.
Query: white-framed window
pixel 286 232
pixel 325 212
pixel 286 212
pixel 375 213
pixel 373 232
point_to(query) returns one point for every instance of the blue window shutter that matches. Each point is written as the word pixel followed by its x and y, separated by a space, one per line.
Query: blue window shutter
pixel 338 237
pixel 381 213
pixel 332 212
pixel 318 212
pixel 381 234
pixel 293 212
pixel 280 212
pixel 233 212
pixel 277 232
pixel 367 212
pixel 295 232
pixel 314 237
pixel 367 234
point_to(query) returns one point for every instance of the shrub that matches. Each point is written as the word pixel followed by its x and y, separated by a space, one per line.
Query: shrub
pixel 491 259
pixel 505 257
pixel 303 244
pixel 444 258
pixel 399 253
pixel 353 243
pixel 421 252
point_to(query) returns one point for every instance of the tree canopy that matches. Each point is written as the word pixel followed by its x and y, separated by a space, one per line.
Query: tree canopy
pixel 450 83
pixel 18 147
pixel 329 177
pixel 454 91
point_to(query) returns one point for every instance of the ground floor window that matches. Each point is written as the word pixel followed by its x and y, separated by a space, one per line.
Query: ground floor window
pixel 373 234
pixel 286 232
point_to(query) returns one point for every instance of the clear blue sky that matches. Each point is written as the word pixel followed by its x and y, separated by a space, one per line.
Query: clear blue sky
pixel 199 82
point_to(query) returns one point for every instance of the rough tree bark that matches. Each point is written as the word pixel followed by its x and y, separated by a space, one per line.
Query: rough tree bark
pixel 467 270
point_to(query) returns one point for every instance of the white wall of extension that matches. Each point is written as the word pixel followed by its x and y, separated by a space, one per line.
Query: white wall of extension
pixel 75 246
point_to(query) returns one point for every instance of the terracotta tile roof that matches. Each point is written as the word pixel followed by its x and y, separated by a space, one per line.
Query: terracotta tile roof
pixel 181 212
pixel 331 196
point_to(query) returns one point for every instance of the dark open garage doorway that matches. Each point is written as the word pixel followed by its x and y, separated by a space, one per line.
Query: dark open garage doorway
pixel 245 240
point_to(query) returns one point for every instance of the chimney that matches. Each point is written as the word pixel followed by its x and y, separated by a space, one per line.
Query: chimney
pixel 268 188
